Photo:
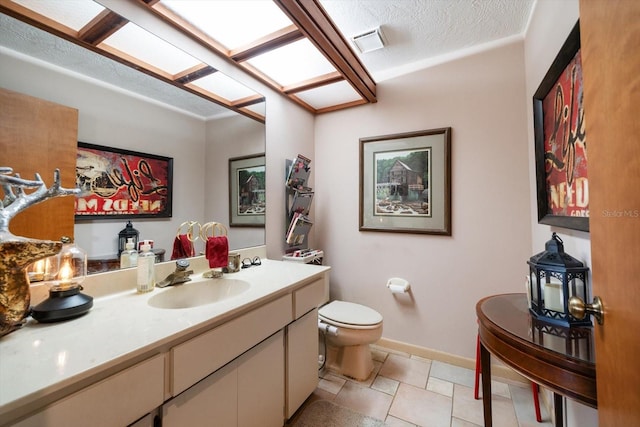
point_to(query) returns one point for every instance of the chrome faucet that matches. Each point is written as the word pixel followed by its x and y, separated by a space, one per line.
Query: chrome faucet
pixel 181 275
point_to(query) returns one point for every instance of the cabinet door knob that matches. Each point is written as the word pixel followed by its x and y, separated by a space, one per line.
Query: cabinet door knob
pixel 579 309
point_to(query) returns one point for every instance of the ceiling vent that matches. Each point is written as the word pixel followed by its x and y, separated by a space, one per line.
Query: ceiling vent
pixel 369 41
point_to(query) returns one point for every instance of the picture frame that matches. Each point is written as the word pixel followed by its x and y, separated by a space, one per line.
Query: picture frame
pixel 405 182
pixel 560 141
pixel 122 184
pixel 247 195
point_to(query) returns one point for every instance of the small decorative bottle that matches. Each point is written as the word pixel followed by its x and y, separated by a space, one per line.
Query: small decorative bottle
pixel 146 279
pixel 129 257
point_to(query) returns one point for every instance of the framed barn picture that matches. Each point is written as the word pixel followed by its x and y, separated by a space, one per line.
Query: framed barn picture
pixel 405 182
pixel 247 202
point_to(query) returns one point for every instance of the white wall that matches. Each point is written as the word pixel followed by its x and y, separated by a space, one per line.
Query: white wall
pixel 549 27
pixel 113 118
pixel 481 98
pixel 289 133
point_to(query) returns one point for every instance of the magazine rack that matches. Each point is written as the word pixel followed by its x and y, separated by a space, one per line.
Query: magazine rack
pixel 298 203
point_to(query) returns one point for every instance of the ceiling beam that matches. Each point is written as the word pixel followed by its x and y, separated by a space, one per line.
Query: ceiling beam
pixel 272 41
pixel 319 81
pixel 316 24
pixel 194 73
pixel 101 27
pixel 247 101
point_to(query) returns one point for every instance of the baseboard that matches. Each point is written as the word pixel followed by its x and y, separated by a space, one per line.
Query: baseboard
pixel 497 369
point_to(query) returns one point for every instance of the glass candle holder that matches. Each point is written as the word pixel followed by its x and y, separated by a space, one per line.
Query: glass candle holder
pixel 72 267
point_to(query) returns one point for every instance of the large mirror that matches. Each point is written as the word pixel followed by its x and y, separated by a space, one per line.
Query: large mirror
pixel 122 108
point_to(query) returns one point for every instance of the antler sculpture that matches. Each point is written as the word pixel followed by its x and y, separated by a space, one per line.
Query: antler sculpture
pixel 16 253
pixel 13 204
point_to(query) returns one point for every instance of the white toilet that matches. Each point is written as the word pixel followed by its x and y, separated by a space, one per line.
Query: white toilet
pixel 357 326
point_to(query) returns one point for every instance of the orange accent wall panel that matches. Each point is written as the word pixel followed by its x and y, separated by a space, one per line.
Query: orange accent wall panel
pixel 38 136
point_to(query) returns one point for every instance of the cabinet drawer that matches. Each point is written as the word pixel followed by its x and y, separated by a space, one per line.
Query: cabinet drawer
pixel 118 400
pixel 202 355
pixel 308 297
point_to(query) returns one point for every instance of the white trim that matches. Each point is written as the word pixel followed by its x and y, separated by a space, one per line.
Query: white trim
pixel 497 370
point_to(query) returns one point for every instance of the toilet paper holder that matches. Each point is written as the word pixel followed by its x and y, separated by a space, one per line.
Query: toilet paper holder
pixel 398 286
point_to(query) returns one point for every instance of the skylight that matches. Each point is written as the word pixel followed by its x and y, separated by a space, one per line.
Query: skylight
pixel 74 14
pixel 293 63
pixel 328 95
pixel 266 39
pixel 291 46
pixel 234 23
pixel 223 85
pixel 141 44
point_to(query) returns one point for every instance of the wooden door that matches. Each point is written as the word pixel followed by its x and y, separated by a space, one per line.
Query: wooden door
pixel 38 136
pixel 610 37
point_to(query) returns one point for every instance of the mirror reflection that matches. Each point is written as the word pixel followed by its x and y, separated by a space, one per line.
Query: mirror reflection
pixel 123 108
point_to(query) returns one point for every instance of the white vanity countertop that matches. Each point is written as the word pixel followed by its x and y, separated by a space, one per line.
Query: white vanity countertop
pixel 42 359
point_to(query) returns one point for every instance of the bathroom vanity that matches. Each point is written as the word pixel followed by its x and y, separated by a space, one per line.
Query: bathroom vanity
pixel 241 350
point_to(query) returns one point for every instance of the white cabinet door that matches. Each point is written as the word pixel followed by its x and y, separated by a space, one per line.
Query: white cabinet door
pixel 202 355
pixel 261 384
pixel 302 360
pixel 211 402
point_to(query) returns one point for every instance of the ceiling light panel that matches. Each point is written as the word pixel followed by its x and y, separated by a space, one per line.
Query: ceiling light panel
pixel 233 23
pixel 224 86
pixel 74 14
pixel 330 95
pixel 293 63
pixel 141 44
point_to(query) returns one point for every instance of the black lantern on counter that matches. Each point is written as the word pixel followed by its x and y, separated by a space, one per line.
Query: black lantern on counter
pixel 128 232
pixel 554 277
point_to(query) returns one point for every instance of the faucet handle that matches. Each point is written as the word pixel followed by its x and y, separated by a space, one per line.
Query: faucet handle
pixel 182 264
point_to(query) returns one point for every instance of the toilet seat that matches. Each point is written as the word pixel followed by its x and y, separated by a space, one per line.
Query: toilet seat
pixel 350 315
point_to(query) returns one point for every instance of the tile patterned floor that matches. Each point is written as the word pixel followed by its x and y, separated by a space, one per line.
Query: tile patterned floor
pixel 410 391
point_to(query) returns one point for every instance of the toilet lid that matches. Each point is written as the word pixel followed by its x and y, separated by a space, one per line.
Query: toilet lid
pixel 350 313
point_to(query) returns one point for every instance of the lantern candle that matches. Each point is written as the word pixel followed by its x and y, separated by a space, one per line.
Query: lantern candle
pixel 553 295
pixel 66 274
pixel 556 276
pixel 43 270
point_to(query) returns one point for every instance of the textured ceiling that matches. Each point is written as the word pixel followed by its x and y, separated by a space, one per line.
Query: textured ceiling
pixel 417 32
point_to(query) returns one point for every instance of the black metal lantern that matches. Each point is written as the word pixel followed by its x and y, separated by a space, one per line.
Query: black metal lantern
pixel 556 276
pixel 128 232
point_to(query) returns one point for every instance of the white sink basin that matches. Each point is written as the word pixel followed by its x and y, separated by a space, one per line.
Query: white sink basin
pixel 194 294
